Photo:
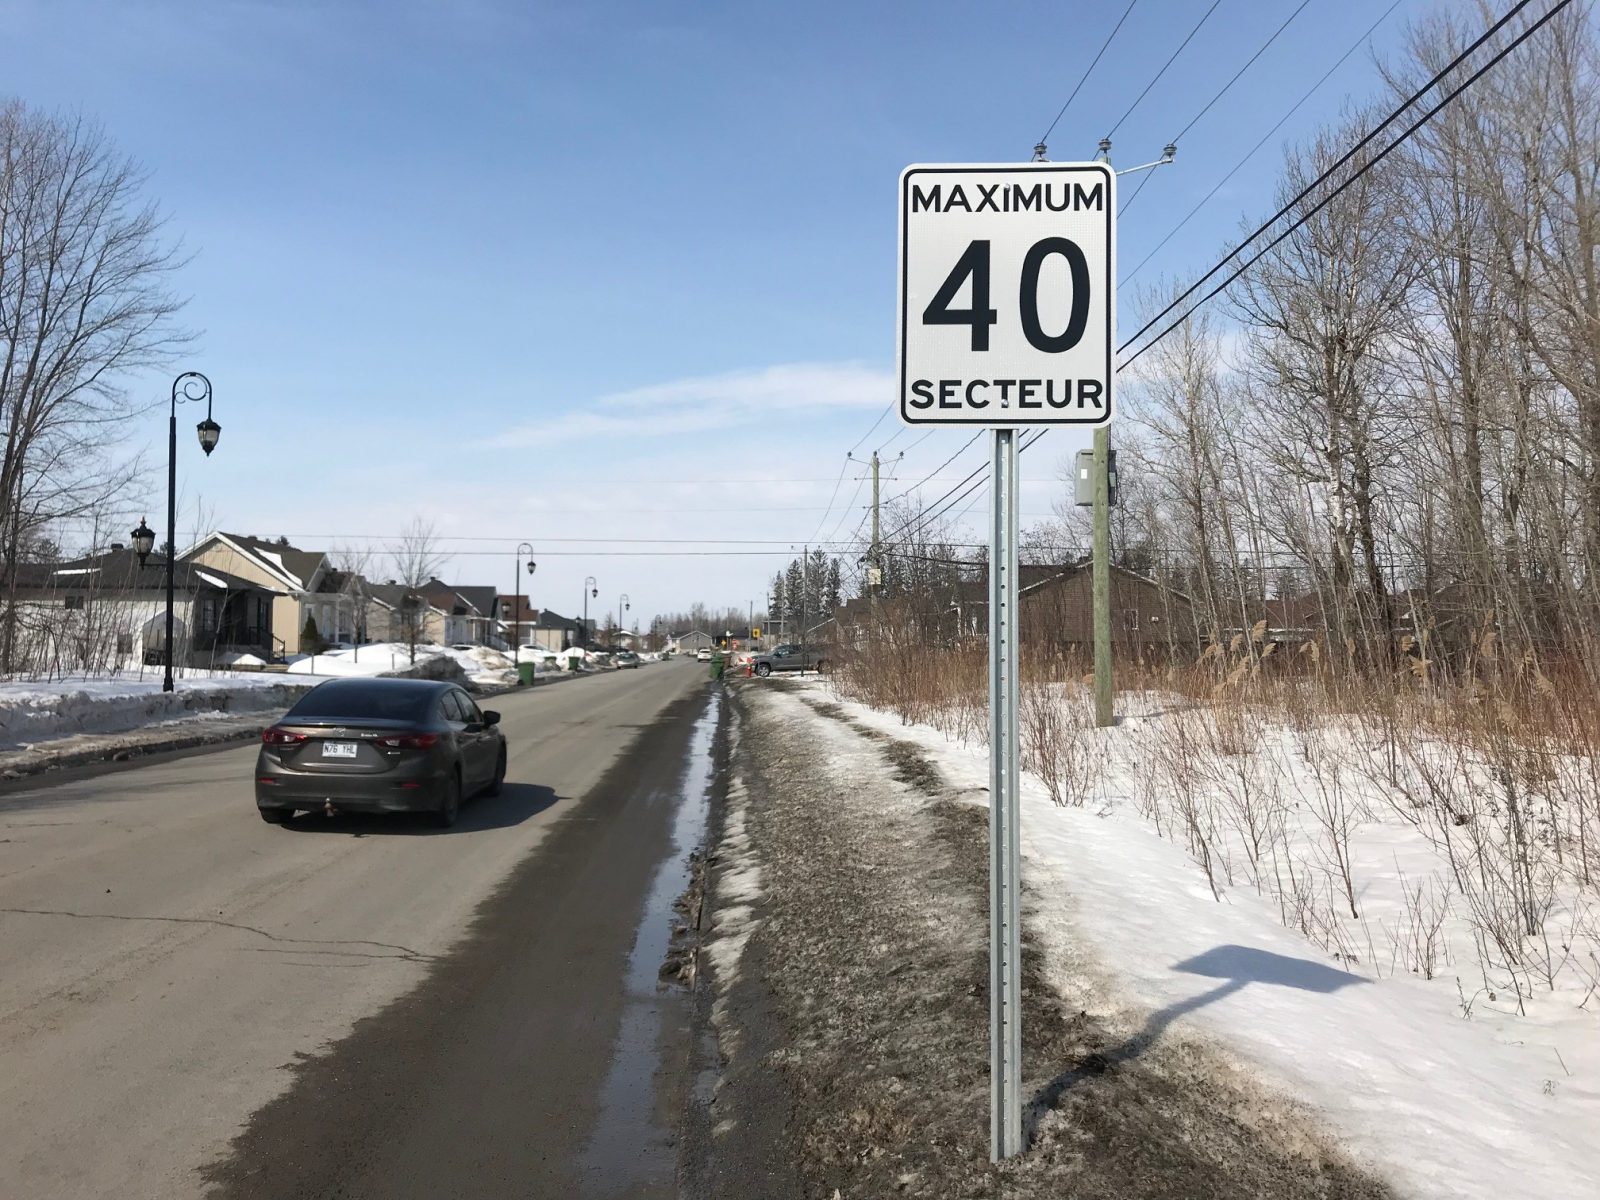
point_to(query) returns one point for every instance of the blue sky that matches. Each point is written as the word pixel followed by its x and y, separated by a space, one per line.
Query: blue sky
pixel 617 270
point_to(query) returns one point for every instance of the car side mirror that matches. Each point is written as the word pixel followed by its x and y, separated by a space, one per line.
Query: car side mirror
pixel 490 717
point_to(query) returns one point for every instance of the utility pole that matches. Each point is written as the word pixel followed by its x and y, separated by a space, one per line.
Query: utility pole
pixel 875 508
pixel 1103 693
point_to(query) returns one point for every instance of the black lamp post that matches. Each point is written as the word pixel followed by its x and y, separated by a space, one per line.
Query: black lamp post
pixel 189 388
pixel 589 589
pixel 516 602
pixel 144 541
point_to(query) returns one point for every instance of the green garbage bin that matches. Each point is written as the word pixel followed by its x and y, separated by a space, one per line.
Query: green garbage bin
pixel 525 674
pixel 716 666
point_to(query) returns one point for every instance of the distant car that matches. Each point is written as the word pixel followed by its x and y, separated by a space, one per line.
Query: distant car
pixel 462 646
pixel 380 745
pixel 703 654
pixel 627 659
pixel 789 658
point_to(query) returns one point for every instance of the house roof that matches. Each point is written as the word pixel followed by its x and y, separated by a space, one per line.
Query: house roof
pixel 483 599
pixel 464 601
pixel 554 620
pixel 389 595
pixel 120 570
pixel 295 567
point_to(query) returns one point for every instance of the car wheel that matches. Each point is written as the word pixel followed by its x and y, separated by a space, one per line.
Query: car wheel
pixel 450 806
pixel 498 783
pixel 764 670
pixel 276 816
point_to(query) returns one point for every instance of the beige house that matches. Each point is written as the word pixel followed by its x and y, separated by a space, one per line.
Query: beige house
pixel 394 611
pixel 297 575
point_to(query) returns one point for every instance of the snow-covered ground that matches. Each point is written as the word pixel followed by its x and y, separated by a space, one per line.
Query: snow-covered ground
pixel 38 712
pixel 1448 1081
pixel 482 664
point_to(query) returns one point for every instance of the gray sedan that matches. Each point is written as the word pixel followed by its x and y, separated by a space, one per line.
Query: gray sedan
pixel 380 745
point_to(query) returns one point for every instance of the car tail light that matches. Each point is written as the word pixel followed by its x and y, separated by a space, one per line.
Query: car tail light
pixel 408 741
pixel 277 736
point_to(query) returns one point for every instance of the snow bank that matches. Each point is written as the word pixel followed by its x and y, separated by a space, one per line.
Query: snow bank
pixel 1431 1084
pixel 481 664
pixel 35 712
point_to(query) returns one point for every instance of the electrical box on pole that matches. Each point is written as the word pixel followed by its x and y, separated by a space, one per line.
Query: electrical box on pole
pixel 1007 312
pixel 1083 480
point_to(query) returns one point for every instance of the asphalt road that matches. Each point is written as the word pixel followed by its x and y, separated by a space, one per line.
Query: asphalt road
pixel 193 1002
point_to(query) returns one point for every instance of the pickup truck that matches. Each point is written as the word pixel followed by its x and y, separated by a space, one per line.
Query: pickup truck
pixel 789 658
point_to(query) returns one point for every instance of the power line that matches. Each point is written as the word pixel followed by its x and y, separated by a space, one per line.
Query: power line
pixel 1346 157
pixel 1104 46
pixel 869 432
pixel 1367 166
pixel 1157 78
pixel 1331 196
pixel 845 466
pixel 1238 166
pixel 1193 121
pixel 1223 91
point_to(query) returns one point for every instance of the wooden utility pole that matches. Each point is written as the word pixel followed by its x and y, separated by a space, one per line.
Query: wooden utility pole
pixel 1103 714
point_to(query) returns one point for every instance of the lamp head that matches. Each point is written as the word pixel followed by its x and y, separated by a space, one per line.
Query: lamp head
pixel 144 540
pixel 208 431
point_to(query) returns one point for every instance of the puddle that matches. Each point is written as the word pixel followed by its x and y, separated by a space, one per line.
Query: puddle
pixel 631 1147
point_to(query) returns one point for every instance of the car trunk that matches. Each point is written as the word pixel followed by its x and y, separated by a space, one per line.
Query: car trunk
pixel 348 746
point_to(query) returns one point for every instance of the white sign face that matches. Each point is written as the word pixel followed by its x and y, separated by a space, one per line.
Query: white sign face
pixel 1007 294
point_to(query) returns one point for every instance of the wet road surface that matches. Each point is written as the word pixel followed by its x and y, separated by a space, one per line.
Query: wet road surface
pixel 359 1007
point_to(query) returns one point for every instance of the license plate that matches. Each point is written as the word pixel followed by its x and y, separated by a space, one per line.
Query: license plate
pixel 338 749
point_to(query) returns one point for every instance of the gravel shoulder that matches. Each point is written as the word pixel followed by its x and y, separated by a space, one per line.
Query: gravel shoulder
pixel 845 1047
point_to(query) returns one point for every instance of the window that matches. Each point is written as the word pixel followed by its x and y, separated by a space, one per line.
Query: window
pixel 124 643
pixel 470 711
pixel 452 708
pixel 74 602
pixel 208 614
pixel 390 700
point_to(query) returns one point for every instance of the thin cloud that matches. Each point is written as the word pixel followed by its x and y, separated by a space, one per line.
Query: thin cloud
pixel 714 402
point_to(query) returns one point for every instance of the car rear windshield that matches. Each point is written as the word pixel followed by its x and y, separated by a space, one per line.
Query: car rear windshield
pixel 363 699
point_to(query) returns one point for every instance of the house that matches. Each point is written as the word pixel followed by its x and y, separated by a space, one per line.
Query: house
pixel 295 576
pixel 518 620
pixel 471 614
pixel 396 613
pixel 97 611
pixel 690 641
pixel 552 631
pixel 1056 609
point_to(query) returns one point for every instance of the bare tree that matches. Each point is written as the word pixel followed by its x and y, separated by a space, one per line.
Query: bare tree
pixel 416 562
pixel 353 563
pixel 84 301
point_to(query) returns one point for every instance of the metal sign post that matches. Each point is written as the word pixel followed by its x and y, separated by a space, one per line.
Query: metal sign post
pixel 1007 302
pixel 1005 809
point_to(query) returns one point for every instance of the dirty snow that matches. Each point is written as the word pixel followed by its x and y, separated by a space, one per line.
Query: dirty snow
pixel 482 664
pixel 1448 1098
pixel 36 712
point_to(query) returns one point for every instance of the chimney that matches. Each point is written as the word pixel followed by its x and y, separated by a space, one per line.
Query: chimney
pixel 118 546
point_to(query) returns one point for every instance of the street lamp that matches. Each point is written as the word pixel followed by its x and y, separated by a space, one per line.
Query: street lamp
pixel 516 601
pixel 590 588
pixel 189 388
pixel 144 541
pixel 623 605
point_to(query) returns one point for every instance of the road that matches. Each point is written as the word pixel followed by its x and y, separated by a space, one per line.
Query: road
pixel 196 1003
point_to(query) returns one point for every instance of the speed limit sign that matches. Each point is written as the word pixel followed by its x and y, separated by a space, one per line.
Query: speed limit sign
pixel 1007 293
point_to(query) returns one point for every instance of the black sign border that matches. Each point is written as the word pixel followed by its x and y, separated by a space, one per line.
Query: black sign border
pixel 1111 266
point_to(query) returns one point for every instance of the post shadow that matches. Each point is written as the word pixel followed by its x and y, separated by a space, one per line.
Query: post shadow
pixel 1237 967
